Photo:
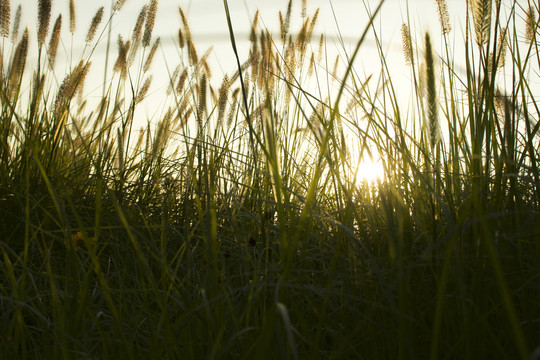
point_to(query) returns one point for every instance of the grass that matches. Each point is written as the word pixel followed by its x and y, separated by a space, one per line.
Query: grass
pixel 230 226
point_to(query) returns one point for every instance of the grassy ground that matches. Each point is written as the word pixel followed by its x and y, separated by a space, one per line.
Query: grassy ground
pixel 228 228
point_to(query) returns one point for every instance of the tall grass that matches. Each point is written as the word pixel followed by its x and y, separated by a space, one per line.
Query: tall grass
pixel 230 226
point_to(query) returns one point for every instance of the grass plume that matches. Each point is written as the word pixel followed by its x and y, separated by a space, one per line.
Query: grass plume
pixel 5 17
pixel 53 42
pixel 44 16
pixel 94 24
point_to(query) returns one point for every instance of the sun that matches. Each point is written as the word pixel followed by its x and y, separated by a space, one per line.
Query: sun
pixel 368 169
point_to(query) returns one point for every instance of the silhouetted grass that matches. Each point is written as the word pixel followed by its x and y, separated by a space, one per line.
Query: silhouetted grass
pixel 231 227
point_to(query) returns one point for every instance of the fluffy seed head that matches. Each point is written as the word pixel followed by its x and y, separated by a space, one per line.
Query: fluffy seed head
pixel 150 57
pixel 185 23
pixel 407 44
pixel 181 40
pixel 94 25
pixel 222 100
pixel 144 90
pixel 201 101
pixel 432 104
pixel 444 18
pixel 16 24
pixel 530 24
pixel 72 82
pixel 501 45
pixel 192 53
pixel 18 63
pixel 285 23
pixel 118 5
pixel 44 16
pixel 72 17
pixel 181 81
pixel 5 13
pixel 53 43
pixel 149 24
pixel 254 25
pixel 137 30
pixel 121 61
pixel 481 12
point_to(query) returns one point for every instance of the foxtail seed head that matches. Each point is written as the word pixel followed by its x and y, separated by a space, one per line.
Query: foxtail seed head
pixel 44 15
pixel 94 25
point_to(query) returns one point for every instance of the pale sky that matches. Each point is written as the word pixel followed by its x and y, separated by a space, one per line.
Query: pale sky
pixel 208 25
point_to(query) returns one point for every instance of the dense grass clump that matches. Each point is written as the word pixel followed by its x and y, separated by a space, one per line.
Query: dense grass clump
pixel 234 225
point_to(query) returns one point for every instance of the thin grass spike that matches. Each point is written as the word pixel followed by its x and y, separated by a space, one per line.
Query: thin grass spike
pixel 431 93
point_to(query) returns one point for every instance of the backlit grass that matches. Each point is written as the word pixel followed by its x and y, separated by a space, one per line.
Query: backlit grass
pixel 236 224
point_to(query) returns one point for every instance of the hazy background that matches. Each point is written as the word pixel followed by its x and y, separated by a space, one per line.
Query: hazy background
pixel 338 19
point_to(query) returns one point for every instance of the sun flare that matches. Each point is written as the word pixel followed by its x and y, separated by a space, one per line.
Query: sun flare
pixel 369 169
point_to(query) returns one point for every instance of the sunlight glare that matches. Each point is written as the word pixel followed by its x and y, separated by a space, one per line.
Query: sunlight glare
pixel 369 170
